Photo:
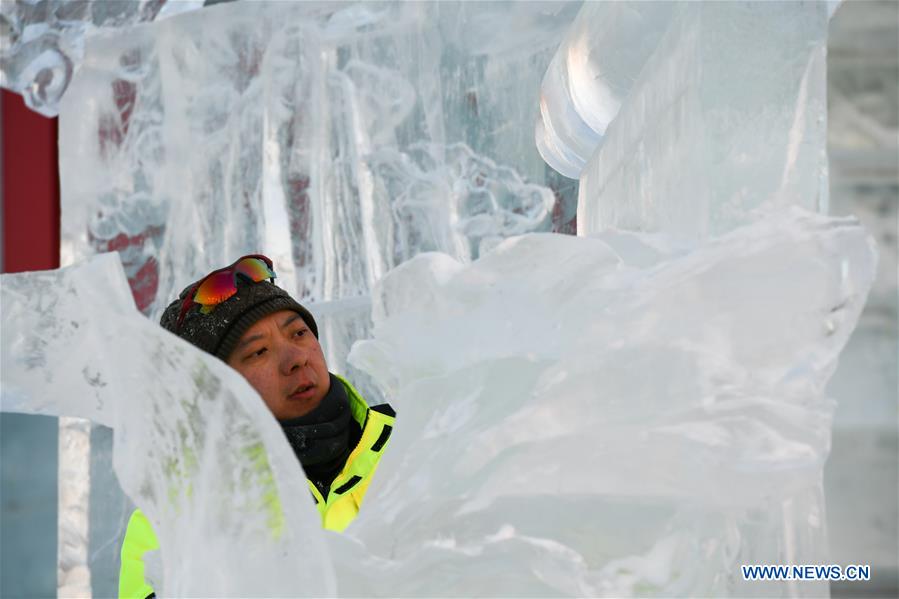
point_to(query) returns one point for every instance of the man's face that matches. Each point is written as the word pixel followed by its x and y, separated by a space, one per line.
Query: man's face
pixel 283 361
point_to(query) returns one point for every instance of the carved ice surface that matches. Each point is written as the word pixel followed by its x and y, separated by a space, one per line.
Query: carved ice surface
pixel 42 41
pixel 335 138
pixel 601 416
pixel 449 199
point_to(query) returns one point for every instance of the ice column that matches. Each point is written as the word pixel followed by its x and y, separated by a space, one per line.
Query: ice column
pixel 722 111
pixel 590 76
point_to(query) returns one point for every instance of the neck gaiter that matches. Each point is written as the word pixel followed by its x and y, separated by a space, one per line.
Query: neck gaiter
pixel 321 438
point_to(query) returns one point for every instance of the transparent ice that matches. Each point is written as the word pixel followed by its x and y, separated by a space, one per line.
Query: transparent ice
pixel 590 76
pixel 336 139
pixel 42 41
pixel 621 413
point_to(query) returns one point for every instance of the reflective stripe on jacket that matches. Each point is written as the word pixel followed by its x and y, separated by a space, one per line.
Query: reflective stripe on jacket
pixel 342 505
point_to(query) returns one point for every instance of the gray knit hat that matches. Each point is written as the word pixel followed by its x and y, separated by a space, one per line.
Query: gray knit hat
pixel 219 331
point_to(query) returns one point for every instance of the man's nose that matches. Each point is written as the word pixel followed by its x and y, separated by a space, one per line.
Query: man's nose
pixel 294 358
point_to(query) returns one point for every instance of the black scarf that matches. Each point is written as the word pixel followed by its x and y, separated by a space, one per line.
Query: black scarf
pixel 323 439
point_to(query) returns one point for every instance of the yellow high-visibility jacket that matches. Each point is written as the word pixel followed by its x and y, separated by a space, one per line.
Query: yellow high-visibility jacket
pixel 344 495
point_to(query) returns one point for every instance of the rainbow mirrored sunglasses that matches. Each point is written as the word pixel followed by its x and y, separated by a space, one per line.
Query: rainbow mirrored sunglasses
pixel 221 284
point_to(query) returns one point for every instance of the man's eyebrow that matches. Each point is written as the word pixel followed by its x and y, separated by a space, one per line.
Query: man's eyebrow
pixel 248 341
pixel 290 319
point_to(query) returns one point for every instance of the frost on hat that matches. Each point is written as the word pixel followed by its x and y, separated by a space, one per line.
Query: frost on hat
pixel 219 331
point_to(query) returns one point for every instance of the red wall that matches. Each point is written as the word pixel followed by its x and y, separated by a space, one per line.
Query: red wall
pixel 28 444
pixel 30 188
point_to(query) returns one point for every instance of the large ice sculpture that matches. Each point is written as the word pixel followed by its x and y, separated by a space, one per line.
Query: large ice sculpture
pixel 626 418
pixel 713 110
pixel 325 135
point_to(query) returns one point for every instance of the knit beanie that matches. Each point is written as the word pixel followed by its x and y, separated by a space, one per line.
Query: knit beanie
pixel 219 331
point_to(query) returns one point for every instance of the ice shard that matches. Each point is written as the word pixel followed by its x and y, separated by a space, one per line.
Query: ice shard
pixel 195 447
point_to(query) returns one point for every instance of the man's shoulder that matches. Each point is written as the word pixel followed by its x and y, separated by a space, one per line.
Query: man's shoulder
pixel 384 409
pixel 360 407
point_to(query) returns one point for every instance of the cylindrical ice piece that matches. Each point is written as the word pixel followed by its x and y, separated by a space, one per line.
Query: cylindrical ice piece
pixel 591 75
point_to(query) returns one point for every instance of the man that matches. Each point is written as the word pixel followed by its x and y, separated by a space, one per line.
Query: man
pixel 238 315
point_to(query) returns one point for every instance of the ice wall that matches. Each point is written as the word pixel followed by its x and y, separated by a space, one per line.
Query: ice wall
pixel 714 109
pixel 339 139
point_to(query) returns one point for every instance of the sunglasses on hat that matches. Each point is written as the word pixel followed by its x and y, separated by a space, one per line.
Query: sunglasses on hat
pixel 221 284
